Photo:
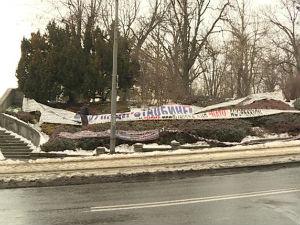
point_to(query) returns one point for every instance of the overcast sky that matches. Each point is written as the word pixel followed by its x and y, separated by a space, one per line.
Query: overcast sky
pixel 19 18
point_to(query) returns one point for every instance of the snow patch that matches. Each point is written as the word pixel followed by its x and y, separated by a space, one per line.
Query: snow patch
pixel 199 143
pixel 75 152
pixel 157 153
pixel 265 136
pixel 1 156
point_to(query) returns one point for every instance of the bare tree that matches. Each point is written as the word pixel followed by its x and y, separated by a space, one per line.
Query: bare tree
pixel 136 22
pixel 187 31
pixel 78 13
pixel 214 64
pixel 247 34
pixel 286 21
pixel 289 26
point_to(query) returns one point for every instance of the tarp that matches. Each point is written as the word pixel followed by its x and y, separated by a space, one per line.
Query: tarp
pixel 136 136
pixel 49 114
pixel 150 135
pixel 277 95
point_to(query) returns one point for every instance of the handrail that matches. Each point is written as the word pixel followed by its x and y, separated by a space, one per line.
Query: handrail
pixel 11 97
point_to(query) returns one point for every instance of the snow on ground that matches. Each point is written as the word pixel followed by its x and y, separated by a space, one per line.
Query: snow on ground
pixel 291 103
pixel 154 153
pixel 124 148
pixel 75 152
pixel 1 156
pixel 265 136
pixel 199 143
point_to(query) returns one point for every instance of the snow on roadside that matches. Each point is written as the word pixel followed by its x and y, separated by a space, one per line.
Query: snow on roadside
pixel 265 136
pixel 199 143
pixel 124 148
pixel 155 153
pixel 75 152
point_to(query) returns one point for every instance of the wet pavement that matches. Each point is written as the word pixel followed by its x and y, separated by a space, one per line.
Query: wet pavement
pixel 253 197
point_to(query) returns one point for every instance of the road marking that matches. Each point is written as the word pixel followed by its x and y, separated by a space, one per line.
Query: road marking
pixel 191 200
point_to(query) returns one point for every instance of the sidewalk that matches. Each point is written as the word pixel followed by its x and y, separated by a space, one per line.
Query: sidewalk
pixel 45 172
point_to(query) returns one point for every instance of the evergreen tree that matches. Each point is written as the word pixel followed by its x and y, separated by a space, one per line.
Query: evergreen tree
pixel 59 64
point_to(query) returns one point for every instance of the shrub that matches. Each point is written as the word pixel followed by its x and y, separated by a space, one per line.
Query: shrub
pixel 181 137
pixel 297 104
pixel 225 130
pixel 26 117
pixel 282 123
pixel 54 129
pixel 58 144
pixel 91 143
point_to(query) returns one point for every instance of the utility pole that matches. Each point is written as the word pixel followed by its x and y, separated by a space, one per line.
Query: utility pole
pixel 113 97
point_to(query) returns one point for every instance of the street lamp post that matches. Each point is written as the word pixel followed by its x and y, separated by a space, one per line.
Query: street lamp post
pixel 114 84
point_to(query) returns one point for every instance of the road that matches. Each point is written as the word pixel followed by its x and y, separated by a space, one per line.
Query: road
pixel 249 197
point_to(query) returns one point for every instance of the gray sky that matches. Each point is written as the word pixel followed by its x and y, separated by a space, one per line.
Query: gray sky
pixel 20 18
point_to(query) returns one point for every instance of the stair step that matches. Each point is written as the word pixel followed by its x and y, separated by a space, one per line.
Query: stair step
pixel 9 139
pixel 15 153
pixel 18 156
pixel 12 147
pixel 15 149
pixel 13 144
pixel 7 136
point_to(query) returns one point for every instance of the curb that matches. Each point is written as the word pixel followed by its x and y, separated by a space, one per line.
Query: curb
pixel 115 175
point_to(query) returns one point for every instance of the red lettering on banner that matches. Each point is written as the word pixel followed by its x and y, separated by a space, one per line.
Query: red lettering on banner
pixel 151 117
pixel 218 113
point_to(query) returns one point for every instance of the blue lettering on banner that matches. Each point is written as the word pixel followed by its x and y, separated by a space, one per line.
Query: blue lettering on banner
pixel 163 110
pixel 156 111
pixel 92 117
pixel 77 116
pixel 178 109
pixel 171 110
pixel 137 114
pixel 184 109
pixel 121 116
pixel 150 112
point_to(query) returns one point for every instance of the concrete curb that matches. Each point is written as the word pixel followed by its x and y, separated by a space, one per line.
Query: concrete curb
pixel 113 168
pixel 117 176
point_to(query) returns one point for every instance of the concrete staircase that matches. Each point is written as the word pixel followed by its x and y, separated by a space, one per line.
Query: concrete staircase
pixel 12 147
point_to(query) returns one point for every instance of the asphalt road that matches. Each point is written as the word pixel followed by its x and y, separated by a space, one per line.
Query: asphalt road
pixel 256 197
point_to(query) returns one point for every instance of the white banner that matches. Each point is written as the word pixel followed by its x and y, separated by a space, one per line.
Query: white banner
pixel 212 115
pixel 164 112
